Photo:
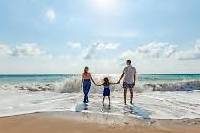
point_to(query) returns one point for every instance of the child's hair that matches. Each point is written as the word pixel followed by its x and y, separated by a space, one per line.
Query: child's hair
pixel 106 81
pixel 86 69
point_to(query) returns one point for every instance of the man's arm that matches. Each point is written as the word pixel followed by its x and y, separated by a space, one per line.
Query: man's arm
pixel 121 77
pixel 134 77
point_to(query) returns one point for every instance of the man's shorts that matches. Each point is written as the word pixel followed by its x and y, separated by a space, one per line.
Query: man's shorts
pixel 126 85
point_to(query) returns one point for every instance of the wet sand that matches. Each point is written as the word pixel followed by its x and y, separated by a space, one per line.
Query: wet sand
pixel 52 123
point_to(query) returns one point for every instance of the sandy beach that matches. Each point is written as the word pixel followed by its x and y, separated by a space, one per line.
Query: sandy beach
pixel 51 123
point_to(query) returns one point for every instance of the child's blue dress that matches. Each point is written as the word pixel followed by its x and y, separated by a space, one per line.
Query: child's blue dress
pixel 106 91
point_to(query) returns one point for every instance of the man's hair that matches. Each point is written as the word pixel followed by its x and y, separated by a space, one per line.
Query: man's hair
pixel 128 61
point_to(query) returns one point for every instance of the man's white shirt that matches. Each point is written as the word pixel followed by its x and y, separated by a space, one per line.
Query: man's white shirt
pixel 129 73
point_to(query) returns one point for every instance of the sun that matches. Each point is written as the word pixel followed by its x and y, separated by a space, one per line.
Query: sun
pixel 105 5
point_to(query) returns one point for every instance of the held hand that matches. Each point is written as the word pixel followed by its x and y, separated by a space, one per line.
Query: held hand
pixel 118 82
pixel 95 84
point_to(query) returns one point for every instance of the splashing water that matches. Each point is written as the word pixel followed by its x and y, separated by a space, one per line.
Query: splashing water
pixel 156 96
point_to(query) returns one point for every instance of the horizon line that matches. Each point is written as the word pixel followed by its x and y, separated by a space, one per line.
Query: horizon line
pixel 95 74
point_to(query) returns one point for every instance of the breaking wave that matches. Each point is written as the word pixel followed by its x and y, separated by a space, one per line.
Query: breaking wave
pixel 73 85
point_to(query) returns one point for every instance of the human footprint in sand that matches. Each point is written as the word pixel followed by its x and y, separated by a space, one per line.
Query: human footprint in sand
pixel 129 74
pixel 106 90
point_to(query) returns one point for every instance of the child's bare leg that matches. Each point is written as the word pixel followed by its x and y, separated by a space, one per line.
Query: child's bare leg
pixel 103 100
pixel 109 100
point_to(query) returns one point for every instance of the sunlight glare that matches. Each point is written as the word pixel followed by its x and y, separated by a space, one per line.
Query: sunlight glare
pixel 105 5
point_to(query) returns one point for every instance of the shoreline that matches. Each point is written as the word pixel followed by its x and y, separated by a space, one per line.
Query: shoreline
pixel 58 122
pixel 102 117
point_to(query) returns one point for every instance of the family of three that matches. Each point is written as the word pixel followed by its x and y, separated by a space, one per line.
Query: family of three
pixel 129 78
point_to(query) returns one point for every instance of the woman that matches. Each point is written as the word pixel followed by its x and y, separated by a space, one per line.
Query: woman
pixel 86 80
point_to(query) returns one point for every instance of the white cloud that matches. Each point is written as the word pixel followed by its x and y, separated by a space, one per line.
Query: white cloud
pixel 188 55
pixel 5 49
pixel 191 54
pixel 197 45
pixel 159 57
pixel 154 57
pixel 51 15
pixel 74 45
pixel 156 50
pixel 162 50
pixel 27 49
pixel 107 46
pixel 90 51
pixel 127 55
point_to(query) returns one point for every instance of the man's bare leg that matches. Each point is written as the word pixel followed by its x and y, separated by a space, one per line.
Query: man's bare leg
pixel 125 92
pixel 131 96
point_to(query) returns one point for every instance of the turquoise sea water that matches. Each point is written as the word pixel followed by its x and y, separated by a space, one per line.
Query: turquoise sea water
pixel 69 83
pixel 60 77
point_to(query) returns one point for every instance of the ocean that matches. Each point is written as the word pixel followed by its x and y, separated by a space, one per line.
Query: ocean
pixel 156 96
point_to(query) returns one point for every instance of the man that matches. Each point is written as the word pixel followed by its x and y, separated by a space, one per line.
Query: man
pixel 129 74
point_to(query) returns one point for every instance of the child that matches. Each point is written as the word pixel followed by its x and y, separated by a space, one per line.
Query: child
pixel 86 81
pixel 106 91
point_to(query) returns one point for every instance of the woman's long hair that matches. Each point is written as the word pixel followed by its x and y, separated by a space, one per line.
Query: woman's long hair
pixel 86 69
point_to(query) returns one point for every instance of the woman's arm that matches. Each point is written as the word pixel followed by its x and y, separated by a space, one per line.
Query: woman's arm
pixel 95 83
pixel 93 80
pixel 98 84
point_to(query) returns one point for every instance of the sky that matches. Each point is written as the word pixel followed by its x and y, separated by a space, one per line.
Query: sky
pixel 48 36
